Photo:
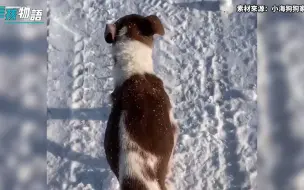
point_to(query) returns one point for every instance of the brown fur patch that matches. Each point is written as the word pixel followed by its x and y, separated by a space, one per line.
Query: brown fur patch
pixel 132 184
pixel 148 172
pixel 147 106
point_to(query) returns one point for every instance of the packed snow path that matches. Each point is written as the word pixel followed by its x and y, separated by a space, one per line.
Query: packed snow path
pixel 208 64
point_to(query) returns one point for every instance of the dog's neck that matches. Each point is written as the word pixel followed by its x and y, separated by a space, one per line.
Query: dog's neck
pixel 131 57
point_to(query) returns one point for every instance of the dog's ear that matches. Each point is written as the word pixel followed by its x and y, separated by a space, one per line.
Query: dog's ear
pixel 110 32
pixel 157 26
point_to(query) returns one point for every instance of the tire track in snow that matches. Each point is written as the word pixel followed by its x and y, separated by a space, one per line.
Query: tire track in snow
pixel 210 123
pixel 86 134
pixel 82 133
pixel 216 93
pixel 76 142
pixel 78 73
pixel 228 108
pixel 64 168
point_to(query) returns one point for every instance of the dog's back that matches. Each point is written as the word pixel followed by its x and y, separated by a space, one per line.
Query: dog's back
pixel 145 133
pixel 141 131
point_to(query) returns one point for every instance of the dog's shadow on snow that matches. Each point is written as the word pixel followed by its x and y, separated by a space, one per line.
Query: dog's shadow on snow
pixel 66 152
pixel 97 169
pixel 100 113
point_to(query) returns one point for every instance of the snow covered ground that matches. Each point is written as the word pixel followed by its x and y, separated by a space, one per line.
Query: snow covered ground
pixel 208 61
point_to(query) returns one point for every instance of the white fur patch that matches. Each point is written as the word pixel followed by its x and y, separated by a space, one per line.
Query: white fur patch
pixel 131 163
pixel 133 57
pixel 174 122
pixel 170 165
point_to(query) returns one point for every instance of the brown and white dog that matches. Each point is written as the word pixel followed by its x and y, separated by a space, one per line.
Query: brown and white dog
pixel 141 131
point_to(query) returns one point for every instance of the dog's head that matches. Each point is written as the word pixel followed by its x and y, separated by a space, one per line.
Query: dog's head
pixel 134 27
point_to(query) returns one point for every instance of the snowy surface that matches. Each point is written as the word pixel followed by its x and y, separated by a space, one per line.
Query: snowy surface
pixel 208 61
